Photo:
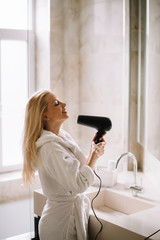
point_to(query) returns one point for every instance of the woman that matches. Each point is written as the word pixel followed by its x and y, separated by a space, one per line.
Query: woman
pixel 65 173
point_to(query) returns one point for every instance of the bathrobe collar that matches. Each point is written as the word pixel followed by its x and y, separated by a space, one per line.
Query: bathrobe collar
pixel 65 140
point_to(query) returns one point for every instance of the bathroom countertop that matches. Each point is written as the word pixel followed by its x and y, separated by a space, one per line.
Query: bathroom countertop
pixel 143 223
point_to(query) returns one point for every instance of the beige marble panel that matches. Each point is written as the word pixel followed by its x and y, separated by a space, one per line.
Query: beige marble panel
pixel 153 104
pixel 101 78
pixel 87 56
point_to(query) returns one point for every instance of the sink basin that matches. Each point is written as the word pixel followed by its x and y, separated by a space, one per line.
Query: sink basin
pixel 110 208
pixel 117 204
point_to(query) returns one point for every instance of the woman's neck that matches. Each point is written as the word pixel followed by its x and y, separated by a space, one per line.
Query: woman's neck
pixel 54 126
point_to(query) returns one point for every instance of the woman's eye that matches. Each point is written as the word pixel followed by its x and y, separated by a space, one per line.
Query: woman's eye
pixel 56 103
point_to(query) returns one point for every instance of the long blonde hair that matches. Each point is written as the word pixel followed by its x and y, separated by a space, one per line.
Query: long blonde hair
pixel 33 126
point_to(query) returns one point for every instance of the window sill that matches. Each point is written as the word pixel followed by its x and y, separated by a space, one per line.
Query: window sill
pixel 12 187
pixel 10 176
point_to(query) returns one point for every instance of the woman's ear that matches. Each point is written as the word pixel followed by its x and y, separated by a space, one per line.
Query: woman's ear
pixel 45 117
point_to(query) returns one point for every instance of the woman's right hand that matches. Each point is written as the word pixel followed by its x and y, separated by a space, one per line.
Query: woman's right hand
pixel 96 151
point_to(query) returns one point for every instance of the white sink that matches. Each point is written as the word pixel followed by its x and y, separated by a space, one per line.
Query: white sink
pixel 110 207
pixel 110 202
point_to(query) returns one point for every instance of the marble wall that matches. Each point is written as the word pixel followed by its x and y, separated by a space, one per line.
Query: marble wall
pixel 146 145
pixel 88 50
pixel 134 145
pixel 86 53
pixel 153 96
pixel 152 156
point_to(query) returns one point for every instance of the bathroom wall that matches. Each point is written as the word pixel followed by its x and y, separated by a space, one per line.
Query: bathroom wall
pixel 146 148
pixel 134 146
pixel 152 163
pixel 153 96
pixel 15 218
pixel 16 205
pixel 88 53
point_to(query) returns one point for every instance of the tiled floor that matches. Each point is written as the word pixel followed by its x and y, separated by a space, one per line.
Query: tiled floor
pixel 26 236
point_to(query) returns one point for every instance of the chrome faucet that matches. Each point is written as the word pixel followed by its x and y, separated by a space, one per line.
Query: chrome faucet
pixel 134 186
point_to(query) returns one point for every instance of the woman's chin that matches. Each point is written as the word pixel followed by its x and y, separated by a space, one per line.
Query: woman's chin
pixel 65 115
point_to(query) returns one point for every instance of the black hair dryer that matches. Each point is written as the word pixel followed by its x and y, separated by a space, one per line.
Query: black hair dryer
pixel 102 124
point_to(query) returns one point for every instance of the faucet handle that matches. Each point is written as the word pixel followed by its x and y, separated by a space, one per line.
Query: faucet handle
pixel 136 188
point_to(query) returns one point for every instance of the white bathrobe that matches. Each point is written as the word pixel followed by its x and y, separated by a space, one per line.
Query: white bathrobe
pixel 64 177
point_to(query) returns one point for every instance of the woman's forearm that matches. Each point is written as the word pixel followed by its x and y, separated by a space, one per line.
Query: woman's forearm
pixel 92 161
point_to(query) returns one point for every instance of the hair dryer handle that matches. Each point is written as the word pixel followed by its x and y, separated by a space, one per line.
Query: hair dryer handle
pixel 99 135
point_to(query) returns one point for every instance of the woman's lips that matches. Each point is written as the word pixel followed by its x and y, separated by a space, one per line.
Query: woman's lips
pixel 64 111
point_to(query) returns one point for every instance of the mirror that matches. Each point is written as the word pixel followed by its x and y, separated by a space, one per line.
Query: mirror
pixel 149 76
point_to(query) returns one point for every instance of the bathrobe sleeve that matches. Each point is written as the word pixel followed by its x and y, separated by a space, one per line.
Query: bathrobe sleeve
pixel 65 168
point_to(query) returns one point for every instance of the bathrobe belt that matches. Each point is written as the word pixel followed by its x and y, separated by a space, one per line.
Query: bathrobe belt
pixel 79 209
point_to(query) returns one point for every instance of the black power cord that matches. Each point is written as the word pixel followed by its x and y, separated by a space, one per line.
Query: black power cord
pixel 100 185
pixel 152 234
pixel 101 227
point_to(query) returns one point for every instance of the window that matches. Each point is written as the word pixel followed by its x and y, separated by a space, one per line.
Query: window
pixel 16 76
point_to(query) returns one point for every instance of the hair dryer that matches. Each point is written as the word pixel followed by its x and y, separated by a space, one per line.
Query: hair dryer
pixel 102 124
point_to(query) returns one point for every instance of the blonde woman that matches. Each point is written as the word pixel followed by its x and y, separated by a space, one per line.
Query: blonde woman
pixel 65 173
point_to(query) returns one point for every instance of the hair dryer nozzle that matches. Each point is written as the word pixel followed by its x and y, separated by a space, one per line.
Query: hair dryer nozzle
pixel 102 124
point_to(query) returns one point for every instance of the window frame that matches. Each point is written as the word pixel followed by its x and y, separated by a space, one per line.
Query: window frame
pixel 27 36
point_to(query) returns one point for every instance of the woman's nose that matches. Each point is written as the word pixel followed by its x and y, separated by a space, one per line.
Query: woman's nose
pixel 63 104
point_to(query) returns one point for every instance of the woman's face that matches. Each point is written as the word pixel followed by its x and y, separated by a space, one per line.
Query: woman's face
pixel 56 110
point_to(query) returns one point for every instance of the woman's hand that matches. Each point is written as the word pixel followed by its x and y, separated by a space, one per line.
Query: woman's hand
pixel 96 151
